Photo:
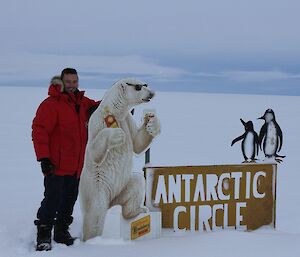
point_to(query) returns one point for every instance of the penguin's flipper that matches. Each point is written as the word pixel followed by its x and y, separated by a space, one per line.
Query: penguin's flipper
pixel 262 134
pixel 237 139
pixel 279 133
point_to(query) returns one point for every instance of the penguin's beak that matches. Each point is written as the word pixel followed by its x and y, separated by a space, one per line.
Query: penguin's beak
pixel 243 122
pixel 261 118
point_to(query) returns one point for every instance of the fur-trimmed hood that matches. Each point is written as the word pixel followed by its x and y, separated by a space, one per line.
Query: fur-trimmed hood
pixel 57 82
pixel 56 89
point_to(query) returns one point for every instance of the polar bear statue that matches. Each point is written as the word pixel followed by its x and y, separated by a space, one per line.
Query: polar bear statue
pixel 107 177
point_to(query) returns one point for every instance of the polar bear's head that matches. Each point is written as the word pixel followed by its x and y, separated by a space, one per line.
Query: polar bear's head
pixel 134 91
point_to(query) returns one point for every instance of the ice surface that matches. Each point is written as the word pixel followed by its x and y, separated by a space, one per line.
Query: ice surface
pixel 197 129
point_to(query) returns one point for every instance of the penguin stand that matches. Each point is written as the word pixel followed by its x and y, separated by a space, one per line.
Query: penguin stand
pixel 249 143
pixel 270 136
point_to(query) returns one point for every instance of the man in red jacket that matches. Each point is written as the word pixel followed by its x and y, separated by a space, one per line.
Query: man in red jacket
pixel 59 134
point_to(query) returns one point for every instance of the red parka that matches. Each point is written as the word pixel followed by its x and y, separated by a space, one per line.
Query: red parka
pixel 59 130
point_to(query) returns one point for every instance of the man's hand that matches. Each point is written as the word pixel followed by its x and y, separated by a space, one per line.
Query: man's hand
pixel 47 166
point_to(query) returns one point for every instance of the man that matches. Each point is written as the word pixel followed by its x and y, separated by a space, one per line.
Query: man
pixel 59 134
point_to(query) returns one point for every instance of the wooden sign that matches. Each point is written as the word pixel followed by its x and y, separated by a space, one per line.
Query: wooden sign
pixel 210 198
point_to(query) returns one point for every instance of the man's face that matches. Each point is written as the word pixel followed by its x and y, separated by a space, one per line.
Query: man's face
pixel 70 82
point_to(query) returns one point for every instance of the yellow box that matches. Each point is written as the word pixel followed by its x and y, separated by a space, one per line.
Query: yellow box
pixel 140 227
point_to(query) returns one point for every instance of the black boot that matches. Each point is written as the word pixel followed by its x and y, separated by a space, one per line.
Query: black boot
pixel 43 241
pixel 62 235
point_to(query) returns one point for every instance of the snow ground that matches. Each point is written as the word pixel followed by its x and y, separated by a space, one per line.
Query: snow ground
pixel 196 129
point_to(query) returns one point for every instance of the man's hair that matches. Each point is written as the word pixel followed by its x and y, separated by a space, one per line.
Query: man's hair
pixel 67 71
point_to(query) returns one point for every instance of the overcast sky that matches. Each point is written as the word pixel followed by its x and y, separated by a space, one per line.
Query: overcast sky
pixel 232 45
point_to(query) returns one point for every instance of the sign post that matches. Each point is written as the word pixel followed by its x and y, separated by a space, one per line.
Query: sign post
pixel 210 198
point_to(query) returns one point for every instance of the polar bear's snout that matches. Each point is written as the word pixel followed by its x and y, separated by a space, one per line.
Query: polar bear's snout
pixel 149 93
pixel 149 97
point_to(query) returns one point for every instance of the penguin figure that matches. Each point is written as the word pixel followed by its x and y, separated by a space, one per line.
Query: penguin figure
pixel 270 136
pixel 249 143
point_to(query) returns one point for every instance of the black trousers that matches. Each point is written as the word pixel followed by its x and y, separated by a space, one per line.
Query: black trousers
pixel 60 196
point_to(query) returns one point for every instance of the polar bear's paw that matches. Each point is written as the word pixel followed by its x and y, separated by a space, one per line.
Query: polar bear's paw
pixel 116 137
pixel 142 209
pixel 153 126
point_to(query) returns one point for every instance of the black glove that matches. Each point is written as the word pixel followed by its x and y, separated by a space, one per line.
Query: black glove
pixel 47 166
